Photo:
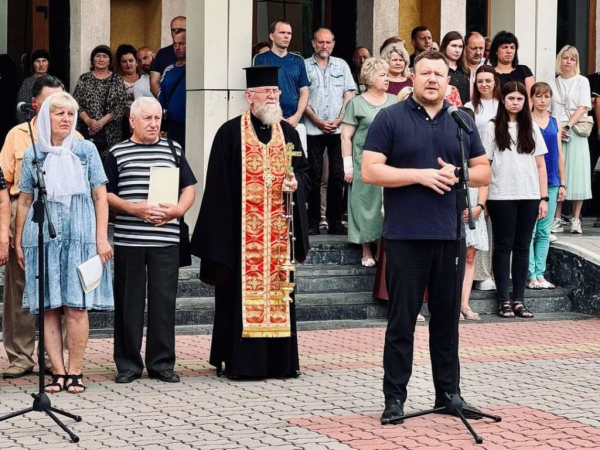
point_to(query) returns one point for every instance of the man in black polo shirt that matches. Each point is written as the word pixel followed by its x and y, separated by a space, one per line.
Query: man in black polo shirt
pixel 412 151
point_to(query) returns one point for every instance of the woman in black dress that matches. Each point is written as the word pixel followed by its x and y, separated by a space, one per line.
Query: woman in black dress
pixel 504 58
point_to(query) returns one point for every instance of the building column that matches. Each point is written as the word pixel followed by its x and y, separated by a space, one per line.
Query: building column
pixel 377 21
pixel 169 10
pixel 453 17
pixel 537 37
pixel 90 26
pixel 3 26
pixel 219 42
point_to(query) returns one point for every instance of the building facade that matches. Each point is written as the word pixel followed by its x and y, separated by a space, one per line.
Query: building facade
pixel 220 34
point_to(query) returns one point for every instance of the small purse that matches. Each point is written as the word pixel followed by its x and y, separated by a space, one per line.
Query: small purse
pixel 584 125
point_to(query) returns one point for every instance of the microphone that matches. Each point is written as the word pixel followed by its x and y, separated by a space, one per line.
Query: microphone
pixel 24 107
pixel 460 120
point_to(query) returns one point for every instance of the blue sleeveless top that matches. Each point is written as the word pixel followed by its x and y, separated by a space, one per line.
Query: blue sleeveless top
pixel 550 134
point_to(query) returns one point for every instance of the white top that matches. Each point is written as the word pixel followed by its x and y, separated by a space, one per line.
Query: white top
pixel 576 92
pixel 487 111
pixel 514 174
pixel 142 87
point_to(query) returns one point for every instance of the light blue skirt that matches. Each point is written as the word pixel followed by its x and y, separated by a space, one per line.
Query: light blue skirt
pixel 74 244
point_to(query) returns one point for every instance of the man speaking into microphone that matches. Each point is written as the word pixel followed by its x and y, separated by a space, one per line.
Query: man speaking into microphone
pixel 412 151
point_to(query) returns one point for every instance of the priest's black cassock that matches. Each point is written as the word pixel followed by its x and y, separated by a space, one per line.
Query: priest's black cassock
pixel 217 241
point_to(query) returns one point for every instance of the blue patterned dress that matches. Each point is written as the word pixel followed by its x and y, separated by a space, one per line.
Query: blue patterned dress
pixel 74 244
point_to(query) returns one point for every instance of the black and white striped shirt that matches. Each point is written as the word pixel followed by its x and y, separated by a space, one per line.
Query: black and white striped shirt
pixel 127 166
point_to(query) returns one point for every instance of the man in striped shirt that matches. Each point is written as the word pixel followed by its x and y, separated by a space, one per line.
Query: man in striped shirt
pixel 146 245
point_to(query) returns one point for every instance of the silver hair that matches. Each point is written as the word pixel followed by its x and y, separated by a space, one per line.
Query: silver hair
pixel 144 101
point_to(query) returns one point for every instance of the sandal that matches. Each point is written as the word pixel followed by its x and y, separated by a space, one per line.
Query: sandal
pixel 534 285
pixel 521 310
pixel 368 262
pixel 546 285
pixel 75 382
pixel 55 383
pixel 505 310
pixel 469 314
pixel 420 318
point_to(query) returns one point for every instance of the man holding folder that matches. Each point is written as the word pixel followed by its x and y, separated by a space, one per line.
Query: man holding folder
pixel 146 243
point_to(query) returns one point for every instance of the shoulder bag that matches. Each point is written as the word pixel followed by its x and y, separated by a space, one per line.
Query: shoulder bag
pixel 185 254
pixel 584 125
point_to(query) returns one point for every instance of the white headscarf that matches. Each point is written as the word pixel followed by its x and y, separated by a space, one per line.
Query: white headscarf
pixel 63 171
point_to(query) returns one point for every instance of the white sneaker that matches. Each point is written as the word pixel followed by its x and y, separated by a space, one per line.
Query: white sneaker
pixel 576 226
pixel 485 285
pixel 553 238
pixel 557 226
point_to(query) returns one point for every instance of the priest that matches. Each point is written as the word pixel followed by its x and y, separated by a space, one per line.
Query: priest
pixel 243 235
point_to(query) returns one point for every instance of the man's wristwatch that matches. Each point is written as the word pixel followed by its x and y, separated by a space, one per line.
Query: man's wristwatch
pixel 562 186
pixel 567 127
pixel 545 199
pixel 458 172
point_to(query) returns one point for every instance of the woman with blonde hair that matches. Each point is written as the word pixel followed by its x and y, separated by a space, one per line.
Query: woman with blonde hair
pixel 570 104
pixel 364 201
pixel 77 204
pixel 398 59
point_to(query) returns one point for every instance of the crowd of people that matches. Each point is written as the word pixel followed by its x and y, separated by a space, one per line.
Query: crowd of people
pixel 378 156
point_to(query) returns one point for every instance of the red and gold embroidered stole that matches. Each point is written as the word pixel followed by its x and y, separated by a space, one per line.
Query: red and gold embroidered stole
pixel 264 234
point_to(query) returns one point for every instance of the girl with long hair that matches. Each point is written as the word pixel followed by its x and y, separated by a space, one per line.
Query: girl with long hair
pixel 518 194
pixel 452 47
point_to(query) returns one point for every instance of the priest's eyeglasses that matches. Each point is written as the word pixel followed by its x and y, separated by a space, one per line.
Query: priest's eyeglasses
pixel 266 91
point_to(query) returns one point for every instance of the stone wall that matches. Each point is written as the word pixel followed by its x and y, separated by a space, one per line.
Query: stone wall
pixel 579 275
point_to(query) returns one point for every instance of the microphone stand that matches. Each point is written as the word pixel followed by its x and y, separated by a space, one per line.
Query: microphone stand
pixel 454 402
pixel 41 401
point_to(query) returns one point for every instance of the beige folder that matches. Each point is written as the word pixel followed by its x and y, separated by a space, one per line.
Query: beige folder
pixel 164 186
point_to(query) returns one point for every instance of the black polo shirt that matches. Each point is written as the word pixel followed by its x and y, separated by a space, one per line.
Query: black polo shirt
pixel 409 138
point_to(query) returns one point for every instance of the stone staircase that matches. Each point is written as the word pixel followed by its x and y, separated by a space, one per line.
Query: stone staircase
pixel 331 286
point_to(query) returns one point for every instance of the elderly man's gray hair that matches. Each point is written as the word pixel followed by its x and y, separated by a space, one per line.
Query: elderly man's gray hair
pixel 144 101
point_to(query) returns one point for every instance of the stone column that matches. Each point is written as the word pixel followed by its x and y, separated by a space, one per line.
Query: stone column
pixel 90 26
pixel 170 9
pixel 546 29
pixel 453 17
pixel 219 37
pixel 377 21
pixel 523 18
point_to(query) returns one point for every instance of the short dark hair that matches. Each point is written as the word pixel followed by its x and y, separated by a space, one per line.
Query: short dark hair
pixel 275 23
pixel 101 49
pixel 432 55
pixel 417 30
pixel 125 49
pixel 46 81
pixel 501 38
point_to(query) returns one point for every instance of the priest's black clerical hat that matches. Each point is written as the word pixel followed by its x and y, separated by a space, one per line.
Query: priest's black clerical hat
pixel 262 76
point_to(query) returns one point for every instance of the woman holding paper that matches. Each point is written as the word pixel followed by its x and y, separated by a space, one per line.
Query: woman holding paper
pixel 78 208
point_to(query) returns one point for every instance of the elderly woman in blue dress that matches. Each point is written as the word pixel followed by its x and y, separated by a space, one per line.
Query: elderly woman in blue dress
pixel 78 207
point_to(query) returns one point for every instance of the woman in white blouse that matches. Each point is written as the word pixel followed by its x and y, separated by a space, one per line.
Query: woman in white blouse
pixel 572 100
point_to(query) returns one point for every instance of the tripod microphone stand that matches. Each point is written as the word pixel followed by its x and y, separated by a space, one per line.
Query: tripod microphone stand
pixel 41 401
pixel 454 402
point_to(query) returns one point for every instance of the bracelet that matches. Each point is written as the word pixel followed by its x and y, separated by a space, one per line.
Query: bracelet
pixel 481 206
pixel 348 165
pixel 562 186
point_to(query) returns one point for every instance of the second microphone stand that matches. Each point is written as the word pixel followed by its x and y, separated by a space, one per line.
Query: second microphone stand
pixel 41 401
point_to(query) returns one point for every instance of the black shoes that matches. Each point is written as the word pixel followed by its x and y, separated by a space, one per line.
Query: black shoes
pixel 470 412
pixel 393 414
pixel 167 375
pixel 339 229
pixel 127 376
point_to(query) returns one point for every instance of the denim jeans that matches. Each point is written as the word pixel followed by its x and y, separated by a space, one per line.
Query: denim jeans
pixel 540 241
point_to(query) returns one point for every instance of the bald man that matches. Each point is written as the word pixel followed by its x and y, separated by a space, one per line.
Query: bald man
pixel 166 56
pixel 473 54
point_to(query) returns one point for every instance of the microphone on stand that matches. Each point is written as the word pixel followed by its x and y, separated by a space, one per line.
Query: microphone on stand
pixel 24 107
pixel 460 120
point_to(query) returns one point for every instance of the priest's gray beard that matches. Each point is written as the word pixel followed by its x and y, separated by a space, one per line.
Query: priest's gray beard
pixel 268 114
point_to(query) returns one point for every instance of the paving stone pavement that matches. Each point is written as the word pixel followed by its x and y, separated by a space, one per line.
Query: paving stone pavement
pixel 541 377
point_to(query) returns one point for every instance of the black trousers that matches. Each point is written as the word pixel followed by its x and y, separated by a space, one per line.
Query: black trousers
pixel 512 224
pixel 335 184
pixel 159 268
pixel 411 267
pixel 176 132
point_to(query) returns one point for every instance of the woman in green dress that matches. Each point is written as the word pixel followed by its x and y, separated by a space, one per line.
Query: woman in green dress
pixel 364 201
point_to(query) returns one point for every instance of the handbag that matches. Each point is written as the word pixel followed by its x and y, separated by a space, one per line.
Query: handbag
pixel 584 125
pixel 185 252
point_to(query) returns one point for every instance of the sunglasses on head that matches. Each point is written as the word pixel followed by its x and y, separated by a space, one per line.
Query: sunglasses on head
pixel 177 30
